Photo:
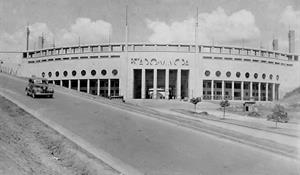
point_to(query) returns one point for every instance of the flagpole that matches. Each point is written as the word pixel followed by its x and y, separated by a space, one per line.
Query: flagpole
pixel 126 52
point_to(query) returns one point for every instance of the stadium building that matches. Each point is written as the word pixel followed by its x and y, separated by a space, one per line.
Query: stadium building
pixel 169 71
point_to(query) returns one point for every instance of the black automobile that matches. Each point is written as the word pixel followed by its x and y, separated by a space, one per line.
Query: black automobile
pixel 39 87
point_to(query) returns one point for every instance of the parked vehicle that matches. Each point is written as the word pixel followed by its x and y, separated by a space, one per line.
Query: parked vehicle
pixel 161 93
pixel 39 87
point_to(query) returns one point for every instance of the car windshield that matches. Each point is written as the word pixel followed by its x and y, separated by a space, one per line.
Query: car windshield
pixel 40 81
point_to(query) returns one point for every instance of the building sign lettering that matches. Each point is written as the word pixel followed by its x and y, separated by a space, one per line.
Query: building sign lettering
pixel 159 62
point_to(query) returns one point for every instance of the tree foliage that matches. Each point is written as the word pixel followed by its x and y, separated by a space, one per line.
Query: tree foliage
pixel 195 101
pixel 278 114
pixel 224 104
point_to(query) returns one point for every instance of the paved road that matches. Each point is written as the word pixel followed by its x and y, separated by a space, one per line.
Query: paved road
pixel 150 145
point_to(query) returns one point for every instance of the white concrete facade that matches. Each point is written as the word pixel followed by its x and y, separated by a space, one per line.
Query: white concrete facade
pixel 178 70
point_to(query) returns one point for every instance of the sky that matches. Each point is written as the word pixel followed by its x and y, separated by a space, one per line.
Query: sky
pixel 248 23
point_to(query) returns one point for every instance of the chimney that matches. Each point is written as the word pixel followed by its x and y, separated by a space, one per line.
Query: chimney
pixel 275 44
pixel 291 36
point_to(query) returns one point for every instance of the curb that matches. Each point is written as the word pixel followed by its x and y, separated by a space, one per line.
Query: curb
pixel 115 163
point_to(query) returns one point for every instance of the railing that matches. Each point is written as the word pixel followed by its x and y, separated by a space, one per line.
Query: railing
pixel 160 48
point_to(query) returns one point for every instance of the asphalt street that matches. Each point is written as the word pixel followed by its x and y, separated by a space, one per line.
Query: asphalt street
pixel 150 145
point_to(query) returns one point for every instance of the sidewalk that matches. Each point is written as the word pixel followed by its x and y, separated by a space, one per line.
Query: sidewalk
pixel 257 130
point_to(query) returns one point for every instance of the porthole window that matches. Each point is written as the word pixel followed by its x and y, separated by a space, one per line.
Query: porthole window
pixel 207 73
pixel 247 75
pixel 218 73
pixel 49 74
pixel 103 72
pixel 43 74
pixel 255 75
pixel 74 73
pixel 238 74
pixel 271 76
pixel 83 72
pixel 263 76
pixel 114 72
pixel 228 74
pixel 65 73
pixel 93 72
pixel 277 77
pixel 56 73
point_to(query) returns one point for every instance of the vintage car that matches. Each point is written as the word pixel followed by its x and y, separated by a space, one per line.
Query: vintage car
pixel 161 93
pixel 39 87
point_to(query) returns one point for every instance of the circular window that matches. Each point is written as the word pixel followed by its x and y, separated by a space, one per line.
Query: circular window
pixel 43 74
pixel 83 72
pixel 49 74
pixel 114 72
pixel 93 72
pixel 247 75
pixel 255 75
pixel 65 73
pixel 57 73
pixel 207 73
pixel 277 77
pixel 103 72
pixel 238 74
pixel 74 73
pixel 271 76
pixel 228 74
pixel 263 76
pixel 218 73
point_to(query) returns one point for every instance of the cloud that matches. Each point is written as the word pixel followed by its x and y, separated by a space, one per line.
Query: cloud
pixel 89 31
pixel 289 18
pixel 17 41
pixel 217 26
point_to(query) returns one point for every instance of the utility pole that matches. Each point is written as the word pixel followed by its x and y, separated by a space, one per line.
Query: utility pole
pixel 126 52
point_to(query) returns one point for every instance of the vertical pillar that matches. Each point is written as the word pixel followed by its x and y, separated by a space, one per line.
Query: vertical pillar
pixel 60 81
pixel 259 91
pixel 167 83
pixel 223 90
pixel 178 84
pixel 98 87
pixel 69 84
pixel 143 83
pixel 108 87
pixel 154 83
pixel 78 85
pixel 242 90
pixel 277 91
pixel 88 86
pixel 212 89
pixel 267 91
pixel 251 90
pixel 273 92
pixel 232 90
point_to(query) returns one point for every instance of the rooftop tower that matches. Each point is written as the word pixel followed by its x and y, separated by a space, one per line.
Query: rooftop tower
pixel 291 36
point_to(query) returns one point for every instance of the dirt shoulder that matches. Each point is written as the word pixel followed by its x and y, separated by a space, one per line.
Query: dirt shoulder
pixel 28 146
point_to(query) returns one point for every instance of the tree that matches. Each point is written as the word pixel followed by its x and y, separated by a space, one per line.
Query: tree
pixel 195 101
pixel 278 114
pixel 224 104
